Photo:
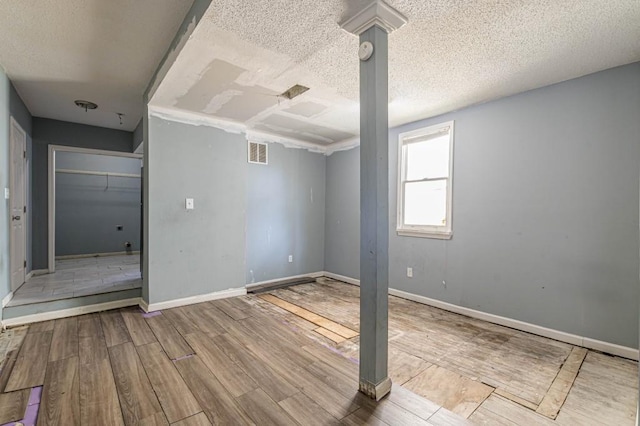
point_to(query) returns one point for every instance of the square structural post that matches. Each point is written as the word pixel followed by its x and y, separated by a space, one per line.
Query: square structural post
pixel 372 25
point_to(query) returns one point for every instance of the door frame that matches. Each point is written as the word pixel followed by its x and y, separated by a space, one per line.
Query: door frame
pixel 52 189
pixel 13 126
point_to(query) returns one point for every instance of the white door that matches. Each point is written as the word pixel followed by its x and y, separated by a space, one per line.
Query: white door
pixel 17 202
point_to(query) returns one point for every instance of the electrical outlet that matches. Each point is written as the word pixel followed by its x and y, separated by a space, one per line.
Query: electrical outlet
pixel 410 272
pixel 290 258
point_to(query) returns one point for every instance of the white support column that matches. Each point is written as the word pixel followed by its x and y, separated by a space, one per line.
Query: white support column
pixel 372 25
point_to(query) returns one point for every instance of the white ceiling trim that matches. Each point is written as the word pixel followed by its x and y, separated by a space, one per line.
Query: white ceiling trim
pixel 377 13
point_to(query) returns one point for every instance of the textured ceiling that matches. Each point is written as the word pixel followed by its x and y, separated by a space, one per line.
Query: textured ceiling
pixel 451 54
pixel 105 51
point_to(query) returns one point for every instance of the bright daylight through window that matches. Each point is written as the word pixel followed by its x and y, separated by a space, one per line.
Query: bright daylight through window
pixel 425 184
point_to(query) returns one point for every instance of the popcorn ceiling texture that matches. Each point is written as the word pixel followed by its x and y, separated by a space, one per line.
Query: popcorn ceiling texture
pixel 451 54
pixel 104 51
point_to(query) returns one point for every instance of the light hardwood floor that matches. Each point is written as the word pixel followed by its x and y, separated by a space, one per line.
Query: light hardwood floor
pixel 257 360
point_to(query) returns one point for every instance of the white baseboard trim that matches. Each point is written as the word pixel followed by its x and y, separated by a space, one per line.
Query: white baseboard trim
pixel 573 339
pixel 37 272
pixel 232 292
pixel 83 256
pixel 346 279
pixel 261 283
pixel 611 348
pixel 7 299
pixel 70 312
pixel 143 305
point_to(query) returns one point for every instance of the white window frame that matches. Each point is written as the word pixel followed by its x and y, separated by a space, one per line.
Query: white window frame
pixel 440 232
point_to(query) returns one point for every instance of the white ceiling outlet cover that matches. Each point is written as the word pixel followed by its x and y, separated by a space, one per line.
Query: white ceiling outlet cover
pixel 57 51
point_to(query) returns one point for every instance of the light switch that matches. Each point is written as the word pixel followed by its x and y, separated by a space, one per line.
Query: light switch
pixel 6 193
pixel 189 203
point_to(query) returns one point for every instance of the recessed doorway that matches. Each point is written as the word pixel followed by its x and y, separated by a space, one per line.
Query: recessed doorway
pixel 94 227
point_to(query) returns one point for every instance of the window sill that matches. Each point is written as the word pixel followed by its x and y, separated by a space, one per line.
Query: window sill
pixel 444 235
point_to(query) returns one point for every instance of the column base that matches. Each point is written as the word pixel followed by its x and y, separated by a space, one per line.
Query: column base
pixel 378 391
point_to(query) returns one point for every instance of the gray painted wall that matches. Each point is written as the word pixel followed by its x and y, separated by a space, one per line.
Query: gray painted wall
pixel 342 214
pixel 285 214
pixel 247 219
pixel 19 110
pixel 53 132
pixel 89 208
pixel 137 136
pixel 545 210
pixel 5 281
pixel 189 23
pixel 199 251
pixel 21 114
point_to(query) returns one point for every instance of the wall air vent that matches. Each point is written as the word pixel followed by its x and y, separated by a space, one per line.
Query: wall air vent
pixel 257 153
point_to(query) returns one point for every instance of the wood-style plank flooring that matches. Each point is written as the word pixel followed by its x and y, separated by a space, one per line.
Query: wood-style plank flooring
pixel 247 360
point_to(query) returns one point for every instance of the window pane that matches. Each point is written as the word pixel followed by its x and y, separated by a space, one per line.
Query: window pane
pixel 428 159
pixel 425 203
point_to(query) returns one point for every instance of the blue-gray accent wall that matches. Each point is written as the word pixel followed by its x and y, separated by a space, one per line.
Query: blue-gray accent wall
pixel 285 214
pixel 247 218
pixel 202 250
pixel 137 136
pixel 342 214
pixel 545 210
pixel 90 208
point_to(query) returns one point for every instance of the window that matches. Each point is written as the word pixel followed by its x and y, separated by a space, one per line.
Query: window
pixel 425 186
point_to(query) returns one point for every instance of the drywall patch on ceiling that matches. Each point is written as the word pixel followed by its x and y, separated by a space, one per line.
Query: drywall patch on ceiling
pixel 248 104
pixel 195 119
pixel 449 55
pixel 258 136
pixel 305 137
pixel 267 74
pixel 199 119
pixel 218 77
pixel 220 100
pixel 306 109
pixel 301 127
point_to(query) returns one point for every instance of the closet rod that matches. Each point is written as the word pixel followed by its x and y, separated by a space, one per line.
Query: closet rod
pixel 89 172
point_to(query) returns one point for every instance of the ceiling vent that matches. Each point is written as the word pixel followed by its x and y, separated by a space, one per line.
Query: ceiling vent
pixel 294 91
pixel 257 153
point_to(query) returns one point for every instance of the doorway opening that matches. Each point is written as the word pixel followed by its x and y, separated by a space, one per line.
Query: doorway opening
pixel 94 215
